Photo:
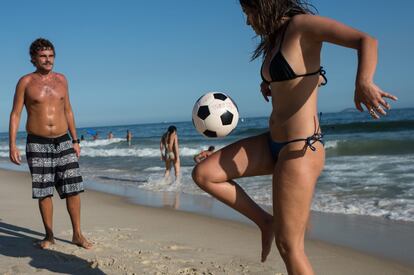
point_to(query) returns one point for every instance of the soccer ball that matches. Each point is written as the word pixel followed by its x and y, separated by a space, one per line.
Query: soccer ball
pixel 215 115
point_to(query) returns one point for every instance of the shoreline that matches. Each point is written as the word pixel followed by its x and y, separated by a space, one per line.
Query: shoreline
pixel 201 242
pixel 389 239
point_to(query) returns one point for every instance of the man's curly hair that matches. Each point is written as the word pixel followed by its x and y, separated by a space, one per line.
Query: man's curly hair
pixel 39 45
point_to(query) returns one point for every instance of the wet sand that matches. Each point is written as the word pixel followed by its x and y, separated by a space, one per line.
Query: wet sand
pixel 134 239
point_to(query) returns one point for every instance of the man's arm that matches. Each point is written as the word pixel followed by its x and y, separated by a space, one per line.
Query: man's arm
pixel 70 118
pixel 15 114
pixel 199 157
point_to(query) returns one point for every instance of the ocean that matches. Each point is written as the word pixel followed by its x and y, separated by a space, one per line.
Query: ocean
pixel 369 166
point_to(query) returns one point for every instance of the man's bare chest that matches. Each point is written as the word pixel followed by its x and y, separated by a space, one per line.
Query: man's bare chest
pixel 45 92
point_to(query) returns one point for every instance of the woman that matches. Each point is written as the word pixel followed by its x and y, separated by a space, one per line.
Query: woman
pixel 169 151
pixel 292 151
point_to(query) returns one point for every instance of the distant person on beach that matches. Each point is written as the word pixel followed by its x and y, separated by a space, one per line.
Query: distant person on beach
pixel 52 155
pixel 95 136
pixel 129 137
pixel 110 135
pixel 170 151
pixel 204 154
pixel 291 39
pixel 82 138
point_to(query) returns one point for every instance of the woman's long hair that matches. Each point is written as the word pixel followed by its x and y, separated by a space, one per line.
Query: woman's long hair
pixel 268 15
pixel 167 134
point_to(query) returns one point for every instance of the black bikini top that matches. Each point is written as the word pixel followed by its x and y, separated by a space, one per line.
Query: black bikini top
pixel 280 70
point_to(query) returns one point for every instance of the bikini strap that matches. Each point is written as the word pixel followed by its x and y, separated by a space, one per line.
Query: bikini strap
pixel 283 35
pixel 321 71
pixel 310 141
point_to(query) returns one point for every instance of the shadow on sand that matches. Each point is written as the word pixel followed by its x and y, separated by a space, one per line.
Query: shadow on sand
pixel 16 242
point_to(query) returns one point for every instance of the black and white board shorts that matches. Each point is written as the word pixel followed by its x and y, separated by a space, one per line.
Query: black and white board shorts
pixel 53 164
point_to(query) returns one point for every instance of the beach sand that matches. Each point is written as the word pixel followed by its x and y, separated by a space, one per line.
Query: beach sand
pixel 133 239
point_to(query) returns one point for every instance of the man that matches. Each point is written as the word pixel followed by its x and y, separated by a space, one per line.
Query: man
pixel 204 154
pixel 51 155
pixel 129 137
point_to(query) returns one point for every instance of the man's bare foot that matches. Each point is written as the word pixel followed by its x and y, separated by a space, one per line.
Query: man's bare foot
pixel 268 236
pixel 82 242
pixel 45 243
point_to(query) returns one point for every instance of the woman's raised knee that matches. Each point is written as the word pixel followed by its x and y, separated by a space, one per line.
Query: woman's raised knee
pixel 200 176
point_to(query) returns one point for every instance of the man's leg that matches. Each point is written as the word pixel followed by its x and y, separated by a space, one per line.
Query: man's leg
pixel 46 210
pixel 73 206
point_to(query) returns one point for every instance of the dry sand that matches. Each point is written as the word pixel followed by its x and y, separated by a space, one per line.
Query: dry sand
pixel 132 239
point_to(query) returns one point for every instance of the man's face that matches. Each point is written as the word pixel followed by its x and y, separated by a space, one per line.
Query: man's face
pixel 44 60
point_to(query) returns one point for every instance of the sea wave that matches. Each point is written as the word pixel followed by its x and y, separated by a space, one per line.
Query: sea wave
pixel 394 209
pixel 101 142
pixel 368 127
pixel 133 152
pixel 369 147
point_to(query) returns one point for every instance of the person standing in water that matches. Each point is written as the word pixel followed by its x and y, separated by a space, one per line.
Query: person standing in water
pixel 129 137
pixel 170 151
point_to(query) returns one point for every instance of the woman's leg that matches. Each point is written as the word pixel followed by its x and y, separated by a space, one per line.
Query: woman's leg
pixel 167 167
pixel 244 158
pixel 294 182
pixel 177 168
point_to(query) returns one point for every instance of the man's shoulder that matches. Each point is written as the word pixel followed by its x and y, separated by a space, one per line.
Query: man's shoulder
pixel 24 80
pixel 60 76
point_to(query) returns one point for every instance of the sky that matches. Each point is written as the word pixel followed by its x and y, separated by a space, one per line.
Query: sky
pixel 136 61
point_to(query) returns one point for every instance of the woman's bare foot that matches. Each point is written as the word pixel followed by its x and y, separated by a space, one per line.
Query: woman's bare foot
pixel 268 236
pixel 82 242
pixel 46 242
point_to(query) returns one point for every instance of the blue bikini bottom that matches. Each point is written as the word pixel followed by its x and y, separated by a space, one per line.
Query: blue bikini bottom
pixel 275 147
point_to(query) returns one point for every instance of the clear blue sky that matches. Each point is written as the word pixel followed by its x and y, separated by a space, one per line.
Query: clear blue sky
pixel 148 61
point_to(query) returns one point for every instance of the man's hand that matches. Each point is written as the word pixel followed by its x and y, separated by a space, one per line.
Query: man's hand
pixel 77 149
pixel 15 155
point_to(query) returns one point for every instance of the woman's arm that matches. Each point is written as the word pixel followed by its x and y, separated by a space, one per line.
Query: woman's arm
pixel 316 30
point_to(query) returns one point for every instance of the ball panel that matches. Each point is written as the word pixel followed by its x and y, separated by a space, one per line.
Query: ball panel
pixel 209 133
pixel 220 96
pixel 203 112
pixel 199 124
pixel 226 118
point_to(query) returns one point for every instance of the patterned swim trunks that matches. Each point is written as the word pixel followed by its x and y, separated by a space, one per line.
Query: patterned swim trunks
pixel 53 163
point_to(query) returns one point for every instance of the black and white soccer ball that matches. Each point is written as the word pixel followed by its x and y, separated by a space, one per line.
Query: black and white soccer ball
pixel 215 115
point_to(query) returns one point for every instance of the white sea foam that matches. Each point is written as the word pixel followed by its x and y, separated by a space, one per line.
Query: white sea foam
pixel 331 144
pixel 101 142
pixel 6 147
pixel 132 152
pixel 395 209
pixel 154 168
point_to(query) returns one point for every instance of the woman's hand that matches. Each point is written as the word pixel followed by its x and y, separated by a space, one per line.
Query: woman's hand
pixel 372 97
pixel 265 89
